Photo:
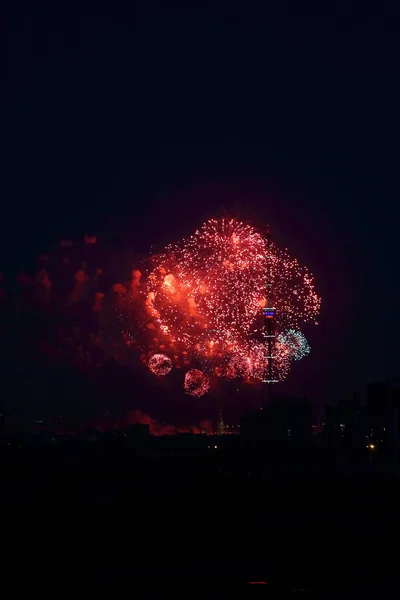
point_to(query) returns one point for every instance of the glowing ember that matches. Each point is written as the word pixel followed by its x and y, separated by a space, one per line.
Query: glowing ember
pixel 160 365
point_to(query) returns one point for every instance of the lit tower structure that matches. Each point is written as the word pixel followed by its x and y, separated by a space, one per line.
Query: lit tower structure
pixel 220 424
pixel 269 323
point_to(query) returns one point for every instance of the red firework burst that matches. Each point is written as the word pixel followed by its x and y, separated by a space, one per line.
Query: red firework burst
pixel 160 365
pixel 205 296
pixel 196 383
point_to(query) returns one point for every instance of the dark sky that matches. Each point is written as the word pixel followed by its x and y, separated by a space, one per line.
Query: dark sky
pixel 137 126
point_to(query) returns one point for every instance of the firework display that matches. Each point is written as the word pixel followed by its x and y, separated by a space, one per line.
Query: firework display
pixel 199 307
pixel 203 300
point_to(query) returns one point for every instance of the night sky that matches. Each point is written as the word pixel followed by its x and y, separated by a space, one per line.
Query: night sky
pixel 138 126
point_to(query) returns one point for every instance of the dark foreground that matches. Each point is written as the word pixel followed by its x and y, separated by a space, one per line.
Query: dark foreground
pixel 93 524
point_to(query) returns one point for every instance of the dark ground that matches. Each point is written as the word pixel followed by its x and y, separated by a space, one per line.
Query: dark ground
pixel 146 528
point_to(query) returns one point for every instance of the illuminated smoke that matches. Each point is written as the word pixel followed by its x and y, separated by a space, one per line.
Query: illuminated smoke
pixel 98 299
pixel 24 279
pixel 90 239
pixel 43 278
pixel 118 288
pixel 80 280
pixel 157 429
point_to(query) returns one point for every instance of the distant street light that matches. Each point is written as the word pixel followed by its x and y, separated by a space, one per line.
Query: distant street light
pixel 371 448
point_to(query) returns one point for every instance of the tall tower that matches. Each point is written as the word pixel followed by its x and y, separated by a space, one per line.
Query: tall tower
pixel 220 424
pixel 269 324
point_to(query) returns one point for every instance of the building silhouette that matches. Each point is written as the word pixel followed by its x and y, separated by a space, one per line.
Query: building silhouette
pixel 286 419
pixel 366 431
